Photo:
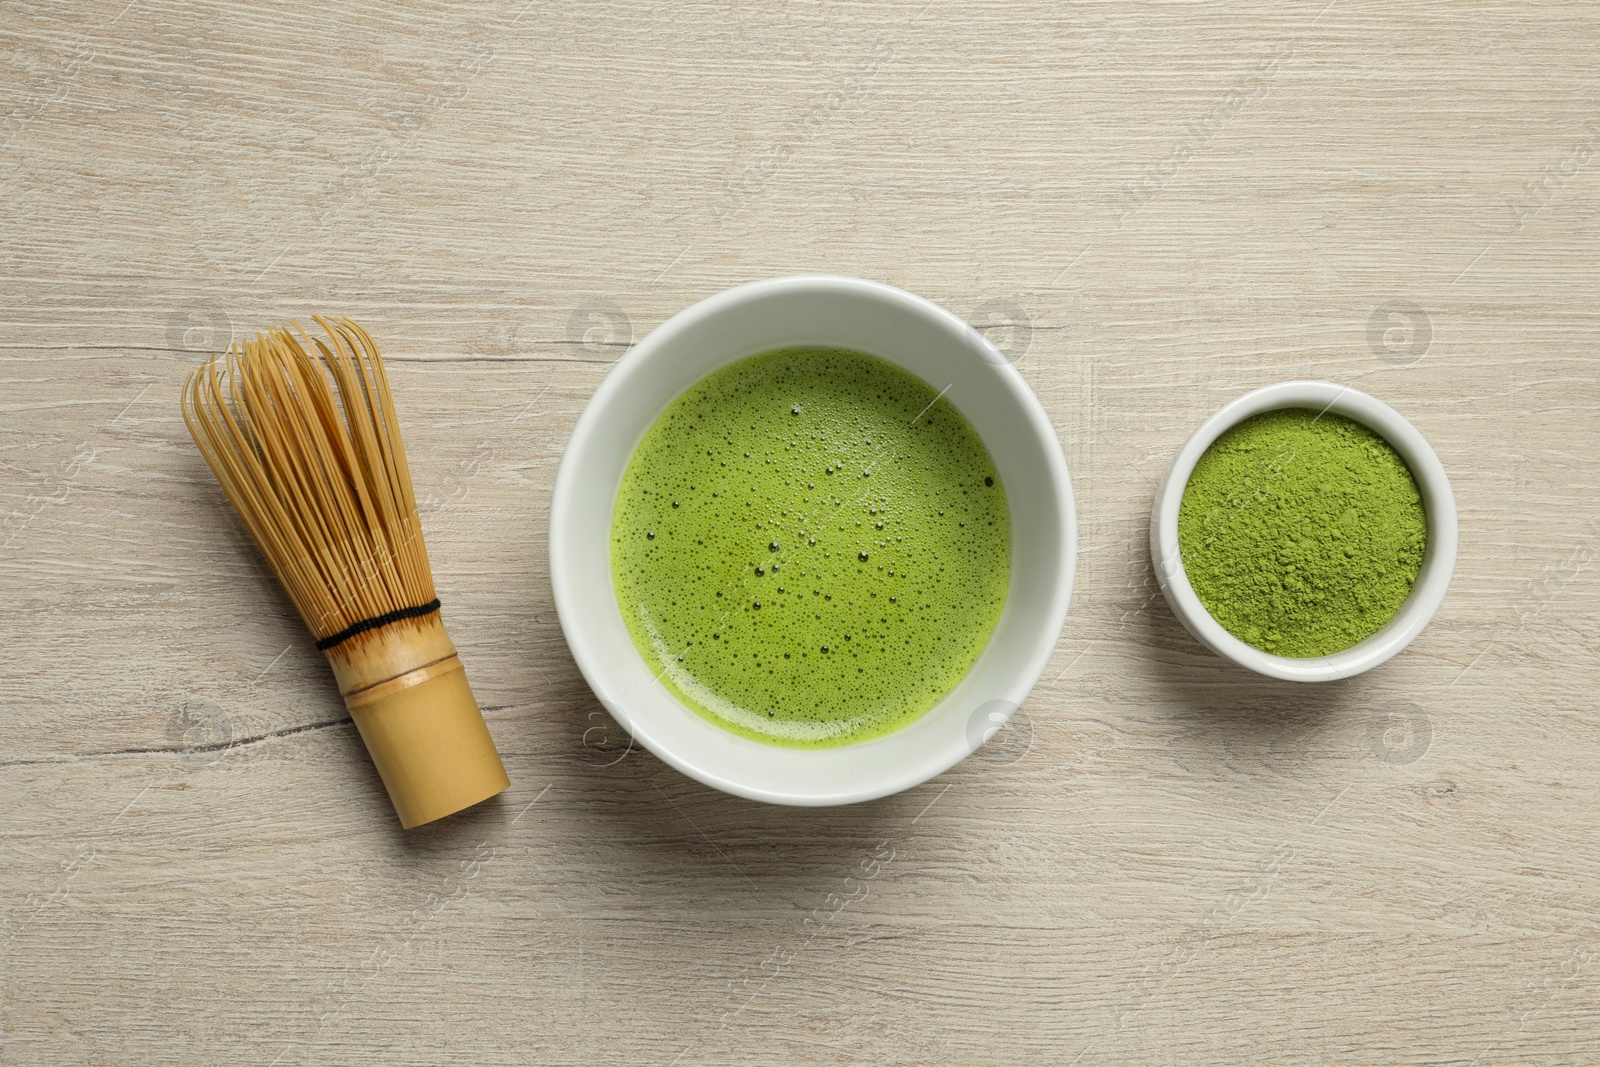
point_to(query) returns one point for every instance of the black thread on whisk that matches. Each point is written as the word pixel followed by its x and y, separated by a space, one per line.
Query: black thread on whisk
pixel 381 620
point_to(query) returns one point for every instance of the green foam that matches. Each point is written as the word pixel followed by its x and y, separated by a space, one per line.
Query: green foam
pixel 831 456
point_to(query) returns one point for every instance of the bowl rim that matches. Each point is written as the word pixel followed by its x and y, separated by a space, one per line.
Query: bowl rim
pixel 1439 558
pixel 635 361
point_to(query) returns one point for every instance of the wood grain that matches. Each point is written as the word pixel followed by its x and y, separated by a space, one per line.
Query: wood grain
pixel 1156 208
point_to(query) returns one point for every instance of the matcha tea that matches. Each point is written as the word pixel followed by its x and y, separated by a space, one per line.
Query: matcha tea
pixel 1302 532
pixel 811 547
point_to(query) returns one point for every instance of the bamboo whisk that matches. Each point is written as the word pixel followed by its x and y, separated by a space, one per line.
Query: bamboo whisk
pixel 320 481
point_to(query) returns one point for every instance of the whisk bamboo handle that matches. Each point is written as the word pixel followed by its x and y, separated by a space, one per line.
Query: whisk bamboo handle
pixel 408 694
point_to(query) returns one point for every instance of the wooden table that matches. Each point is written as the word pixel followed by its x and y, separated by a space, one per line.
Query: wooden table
pixel 1151 208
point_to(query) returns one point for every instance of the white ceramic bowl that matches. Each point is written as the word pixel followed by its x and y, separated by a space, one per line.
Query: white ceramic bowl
pixel 930 343
pixel 1438 560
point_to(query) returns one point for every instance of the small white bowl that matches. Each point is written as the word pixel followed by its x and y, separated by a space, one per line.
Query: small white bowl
pixel 1438 559
pixel 927 341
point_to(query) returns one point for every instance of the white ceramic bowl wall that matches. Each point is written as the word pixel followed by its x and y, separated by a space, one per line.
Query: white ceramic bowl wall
pixel 923 339
pixel 1438 560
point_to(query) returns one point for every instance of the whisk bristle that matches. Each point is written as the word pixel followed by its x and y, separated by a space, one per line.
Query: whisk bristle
pixel 302 435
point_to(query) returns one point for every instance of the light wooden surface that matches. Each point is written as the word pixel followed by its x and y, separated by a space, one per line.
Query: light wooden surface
pixel 1157 207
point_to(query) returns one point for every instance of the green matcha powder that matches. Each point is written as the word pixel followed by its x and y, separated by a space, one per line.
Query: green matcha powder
pixel 1302 533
